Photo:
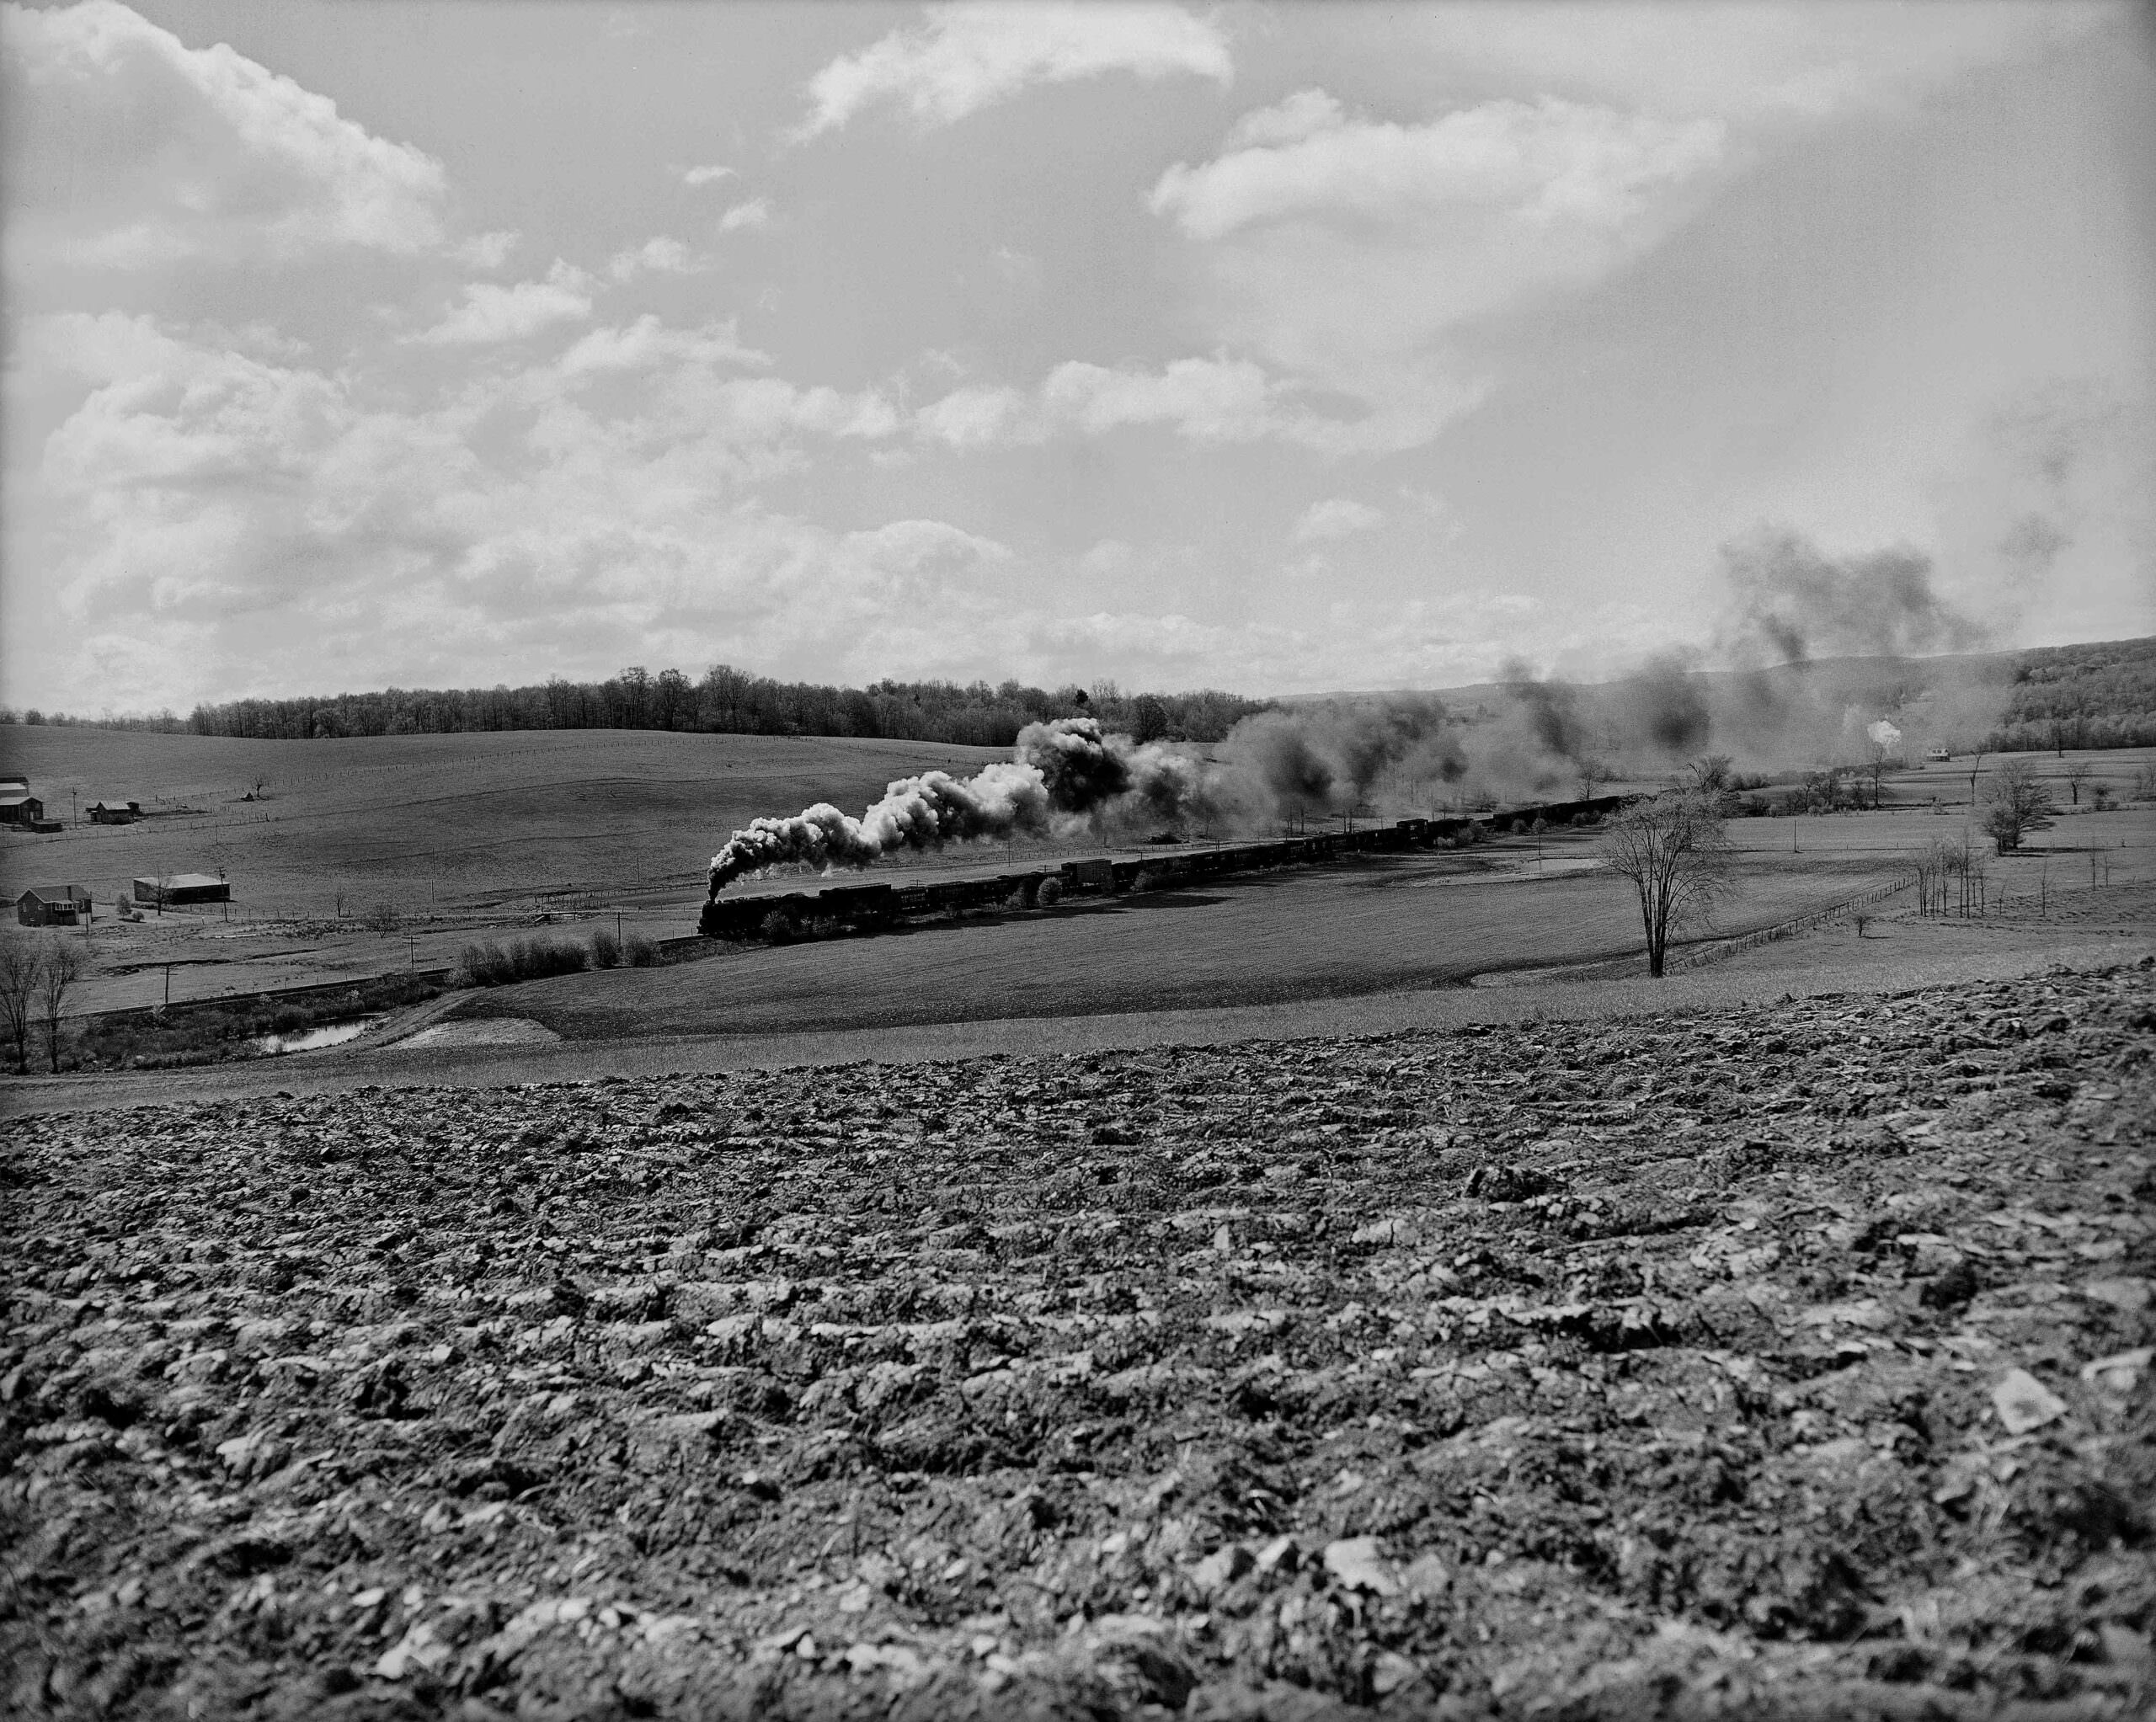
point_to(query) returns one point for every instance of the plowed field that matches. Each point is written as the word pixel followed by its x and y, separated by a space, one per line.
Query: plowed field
pixel 1793 1361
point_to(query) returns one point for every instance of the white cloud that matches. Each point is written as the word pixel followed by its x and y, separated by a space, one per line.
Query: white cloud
pixel 490 313
pixel 1540 163
pixel 1742 59
pixel 1442 517
pixel 1219 400
pixel 756 212
pixel 1337 517
pixel 220 523
pixel 979 417
pixel 710 174
pixel 657 256
pixel 1344 252
pixel 132 149
pixel 970 56
pixel 1211 400
pixel 1288 120
pixel 648 343
pixel 487 251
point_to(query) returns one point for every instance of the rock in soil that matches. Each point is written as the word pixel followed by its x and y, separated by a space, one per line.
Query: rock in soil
pixel 1792 1362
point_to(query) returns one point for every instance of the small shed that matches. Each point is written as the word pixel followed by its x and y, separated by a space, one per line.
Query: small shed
pixel 176 889
pixel 18 806
pixel 114 812
pixel 53 906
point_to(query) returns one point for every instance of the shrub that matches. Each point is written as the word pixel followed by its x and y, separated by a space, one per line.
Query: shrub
pixel 289 1019
pixel 1539 826
pixel 640 952
pixel 778 928
pixel 485 965
pixel 1051 893
pixel 523 960
pixel 1519 828
pixel 2102 797
pixel 605 948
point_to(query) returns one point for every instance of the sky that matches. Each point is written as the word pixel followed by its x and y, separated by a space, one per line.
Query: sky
pixel 1272 347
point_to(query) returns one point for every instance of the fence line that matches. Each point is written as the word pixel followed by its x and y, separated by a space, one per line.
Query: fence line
pixel 1723 949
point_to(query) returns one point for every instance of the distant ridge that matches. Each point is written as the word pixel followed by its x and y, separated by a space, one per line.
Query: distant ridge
pixel 2098 694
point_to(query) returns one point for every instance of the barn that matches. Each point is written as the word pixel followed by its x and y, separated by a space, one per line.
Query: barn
pixel 114 812
pixel 53 906
pixel 176 889
pixel 17 806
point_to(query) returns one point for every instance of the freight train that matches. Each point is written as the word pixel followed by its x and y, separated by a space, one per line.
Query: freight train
pixel 865 908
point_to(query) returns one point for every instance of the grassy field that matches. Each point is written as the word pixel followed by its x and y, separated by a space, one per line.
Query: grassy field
pixel 1371 924
pixel 478 836
pixel 459 832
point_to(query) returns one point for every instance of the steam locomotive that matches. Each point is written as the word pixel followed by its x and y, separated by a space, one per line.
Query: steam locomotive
pixel 865 907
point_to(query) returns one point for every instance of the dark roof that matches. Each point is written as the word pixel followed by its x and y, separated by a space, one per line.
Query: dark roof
pixel 56 893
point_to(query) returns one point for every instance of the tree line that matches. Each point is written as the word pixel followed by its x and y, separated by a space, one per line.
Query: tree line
pixel 2100 696
pixel 724 700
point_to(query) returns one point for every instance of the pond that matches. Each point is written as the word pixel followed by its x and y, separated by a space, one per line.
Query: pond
pixel 313 1040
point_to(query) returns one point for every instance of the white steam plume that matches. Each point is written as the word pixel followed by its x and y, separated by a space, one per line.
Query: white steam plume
pixel 1066 773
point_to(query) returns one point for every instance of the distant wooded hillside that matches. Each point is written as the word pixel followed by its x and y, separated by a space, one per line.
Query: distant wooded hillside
pixel 725 701
pixel 2098 696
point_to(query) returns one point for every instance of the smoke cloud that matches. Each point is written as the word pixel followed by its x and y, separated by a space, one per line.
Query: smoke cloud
pixel 1326 756
pixel 1792 606
pixel 1791 603
pixel 1551 709
pixel 1067 775
pixel 1664 704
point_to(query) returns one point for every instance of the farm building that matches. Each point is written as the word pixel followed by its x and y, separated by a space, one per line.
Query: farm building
pixel 183 887
pixel 53 906
pixel 114 812
pixel 18 806
pixel 1937 755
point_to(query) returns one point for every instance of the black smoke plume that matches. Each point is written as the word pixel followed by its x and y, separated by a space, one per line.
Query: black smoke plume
pixel 1791 602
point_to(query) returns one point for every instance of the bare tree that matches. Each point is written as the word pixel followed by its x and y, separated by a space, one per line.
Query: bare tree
pixel 18 967
pixel 1710 773
pixel 2076 774
pixel 59 966
pixel 1675 852
pixel 1875 762
pixel 2018 804
pixel 1592 774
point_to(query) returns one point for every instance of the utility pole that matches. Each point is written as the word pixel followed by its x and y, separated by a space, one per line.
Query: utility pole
pixel 168 984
